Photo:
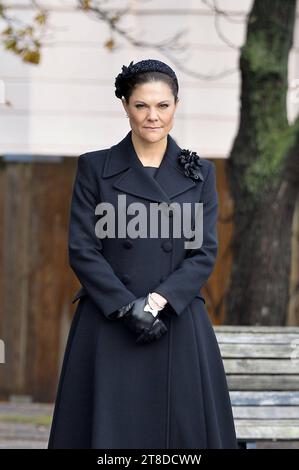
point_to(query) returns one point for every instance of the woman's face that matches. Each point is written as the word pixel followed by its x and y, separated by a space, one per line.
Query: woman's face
pixel 151 110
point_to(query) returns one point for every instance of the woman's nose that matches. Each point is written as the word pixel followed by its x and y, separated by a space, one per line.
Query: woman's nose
pixel 152 114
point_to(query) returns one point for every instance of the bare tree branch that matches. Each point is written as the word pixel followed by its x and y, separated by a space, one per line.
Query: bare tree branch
pixel 229 16
pixel 28 41
pixel 218 13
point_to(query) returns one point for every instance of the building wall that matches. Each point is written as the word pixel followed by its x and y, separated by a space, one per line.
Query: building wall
pixel 66 105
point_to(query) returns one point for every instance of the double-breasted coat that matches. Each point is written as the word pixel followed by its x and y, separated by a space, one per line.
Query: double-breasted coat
pixel 114 392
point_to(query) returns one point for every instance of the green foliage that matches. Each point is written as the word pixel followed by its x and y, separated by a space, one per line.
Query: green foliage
pixel 41 18
pixel 23 43
pixel 264 58
pixel 264 172
pixel 41 420
pixel 32 57
pixel 268 134
pixel 85 4
pixel 259 57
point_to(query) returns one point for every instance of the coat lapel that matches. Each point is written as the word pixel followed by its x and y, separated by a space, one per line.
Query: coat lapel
pixel 170 180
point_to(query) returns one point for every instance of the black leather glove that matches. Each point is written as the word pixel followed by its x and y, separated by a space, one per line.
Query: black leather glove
pixel 138 318
pixel 155 332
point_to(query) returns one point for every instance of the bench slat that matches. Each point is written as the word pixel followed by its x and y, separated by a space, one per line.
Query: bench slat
pixel 256 329
pixel 242 398
pixel 249 431
pixel 256 350
pixel 263 382
pixel 261 366
pixel 258 338
pixel 266 412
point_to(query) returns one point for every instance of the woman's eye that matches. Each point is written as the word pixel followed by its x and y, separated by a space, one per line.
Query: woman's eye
pixel 162 105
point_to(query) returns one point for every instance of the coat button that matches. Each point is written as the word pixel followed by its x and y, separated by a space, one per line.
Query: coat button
pixel 127 244
pixel 126 279
pixel 167 246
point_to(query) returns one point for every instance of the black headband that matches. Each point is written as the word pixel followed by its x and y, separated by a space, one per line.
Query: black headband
pixel 149 65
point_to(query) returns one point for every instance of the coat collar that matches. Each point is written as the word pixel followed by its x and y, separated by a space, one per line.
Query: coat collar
pixel 170 180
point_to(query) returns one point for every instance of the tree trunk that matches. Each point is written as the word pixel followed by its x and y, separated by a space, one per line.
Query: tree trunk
pixel 263 171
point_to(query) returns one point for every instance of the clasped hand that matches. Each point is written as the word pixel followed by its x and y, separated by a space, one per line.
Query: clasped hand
pixel 143 320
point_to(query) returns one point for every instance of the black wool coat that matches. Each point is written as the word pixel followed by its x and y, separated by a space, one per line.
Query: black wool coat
pixel 115 393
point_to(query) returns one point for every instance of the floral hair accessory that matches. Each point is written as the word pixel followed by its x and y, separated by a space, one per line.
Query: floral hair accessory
pixel 191 163
pixel 148 65
pixel 126 72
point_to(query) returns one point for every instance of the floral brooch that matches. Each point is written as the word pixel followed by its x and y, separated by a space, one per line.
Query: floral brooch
pixel 190 163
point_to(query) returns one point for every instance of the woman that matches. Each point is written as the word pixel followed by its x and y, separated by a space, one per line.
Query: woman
pixel 142 368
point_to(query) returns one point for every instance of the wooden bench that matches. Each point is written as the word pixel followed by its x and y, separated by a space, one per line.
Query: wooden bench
pixel 262 368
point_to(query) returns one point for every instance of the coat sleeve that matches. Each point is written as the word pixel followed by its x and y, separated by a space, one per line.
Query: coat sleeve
pixel 84 247
pixel 185 282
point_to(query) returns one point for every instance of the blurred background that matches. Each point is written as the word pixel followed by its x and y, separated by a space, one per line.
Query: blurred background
pixel 238 68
